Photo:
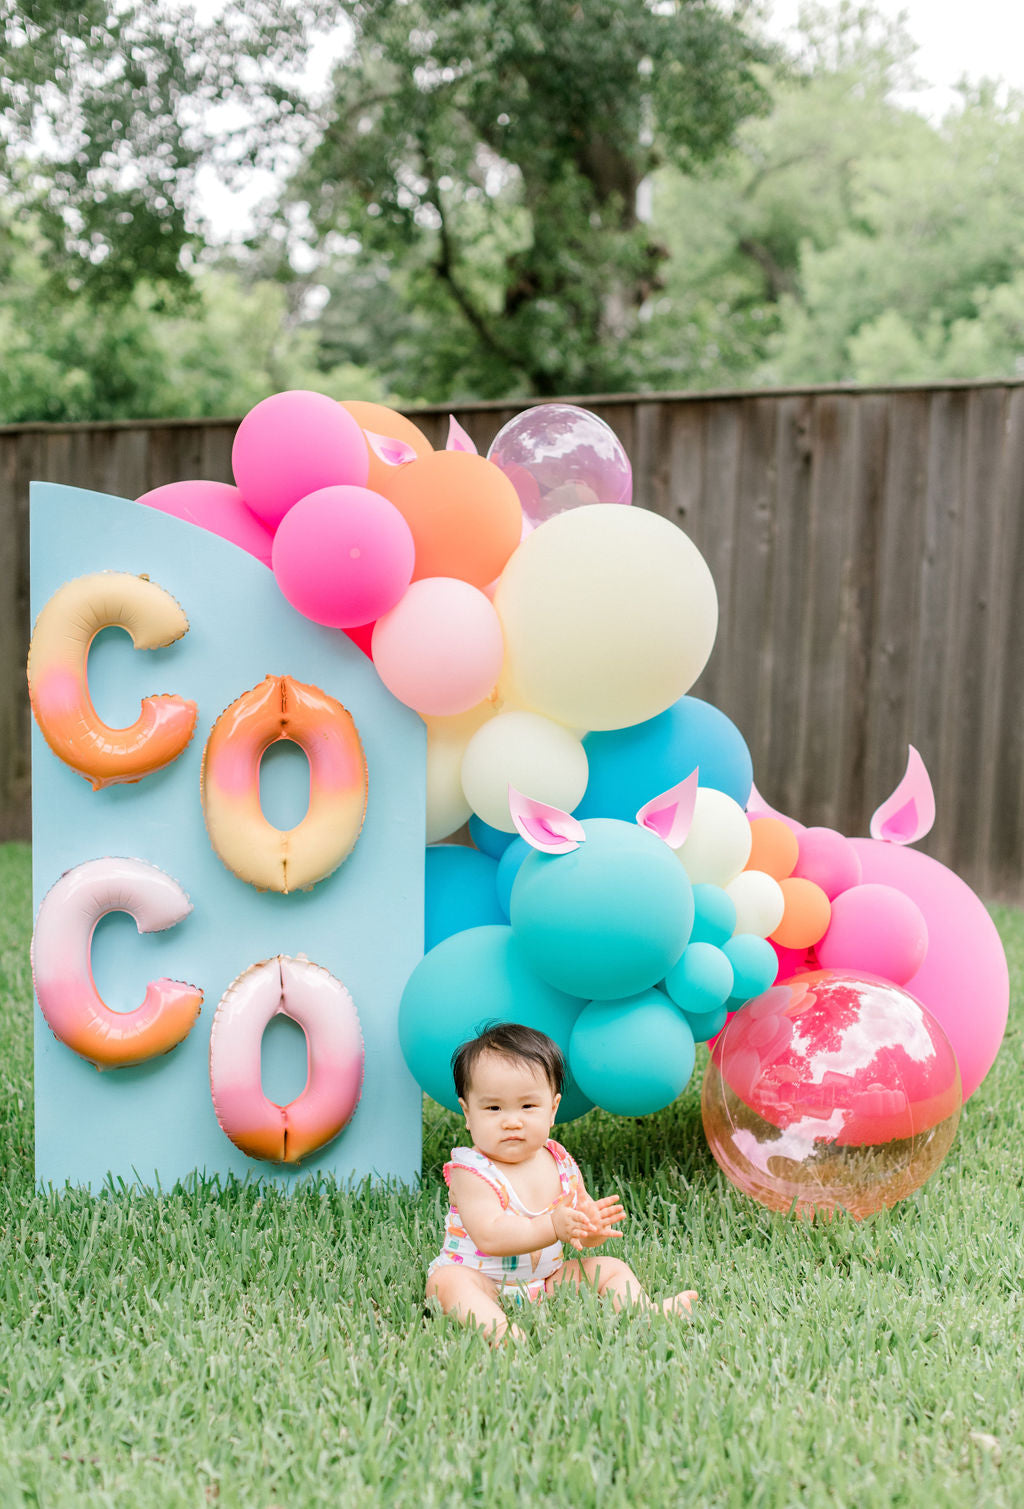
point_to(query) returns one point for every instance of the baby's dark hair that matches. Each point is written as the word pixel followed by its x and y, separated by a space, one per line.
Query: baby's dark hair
pixel 522 1045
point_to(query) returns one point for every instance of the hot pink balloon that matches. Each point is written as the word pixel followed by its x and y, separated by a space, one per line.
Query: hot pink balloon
pixel 217 507
pixel 441 649
pixel 343 556
pixel 964 980
pixel 293 444
pixel 876 929
pixel 829 859
pixel 558 456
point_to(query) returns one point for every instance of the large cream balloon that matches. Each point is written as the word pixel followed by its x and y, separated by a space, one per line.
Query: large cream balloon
pixel 447 807
pixel 718 843
pixel 538 757
pixel 609 617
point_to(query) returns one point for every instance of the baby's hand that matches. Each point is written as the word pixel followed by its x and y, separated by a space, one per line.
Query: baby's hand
pixel 571 1225
pixel 603 1214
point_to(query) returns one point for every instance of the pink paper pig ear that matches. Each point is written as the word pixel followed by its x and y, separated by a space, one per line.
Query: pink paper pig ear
pixel 758 807
pixel 670 814
pixel 910 812
pixel 392 452
pixel 548 829
pixel 458 440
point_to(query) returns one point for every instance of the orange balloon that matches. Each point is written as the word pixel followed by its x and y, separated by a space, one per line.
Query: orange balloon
pixel 464 515
pixel 774 847
pixel 807 916
pixel 381 420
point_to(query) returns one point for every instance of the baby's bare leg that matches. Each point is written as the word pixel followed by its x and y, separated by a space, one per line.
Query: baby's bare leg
pixel 471 1298
pixel 613 1277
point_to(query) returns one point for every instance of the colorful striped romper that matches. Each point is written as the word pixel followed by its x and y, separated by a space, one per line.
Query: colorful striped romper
pixel 518 1272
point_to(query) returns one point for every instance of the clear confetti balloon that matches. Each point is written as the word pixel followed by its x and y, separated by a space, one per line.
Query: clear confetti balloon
pixel 558 457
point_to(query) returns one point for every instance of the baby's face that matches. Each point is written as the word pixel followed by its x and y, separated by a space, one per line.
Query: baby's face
pixel 509 1108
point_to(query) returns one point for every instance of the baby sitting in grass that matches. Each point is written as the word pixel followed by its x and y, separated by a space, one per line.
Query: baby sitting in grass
pixel 516 1195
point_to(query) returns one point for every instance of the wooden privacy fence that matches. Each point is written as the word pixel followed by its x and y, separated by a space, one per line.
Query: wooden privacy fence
pixel 867 546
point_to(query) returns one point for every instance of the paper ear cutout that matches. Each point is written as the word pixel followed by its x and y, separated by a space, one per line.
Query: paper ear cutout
pixel 548 829
pixel 458 440
pixel 670 814
pixel 758 807
pixel 910 812
pixel 389 450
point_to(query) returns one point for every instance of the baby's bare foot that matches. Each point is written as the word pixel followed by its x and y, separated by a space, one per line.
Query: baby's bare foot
pixel 679 1304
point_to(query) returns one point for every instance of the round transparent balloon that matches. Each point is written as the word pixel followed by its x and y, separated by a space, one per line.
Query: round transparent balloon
pixel 832 1091
pixel 557 457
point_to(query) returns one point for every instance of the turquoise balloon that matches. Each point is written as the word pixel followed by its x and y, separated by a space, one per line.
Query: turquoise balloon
pixel 701 981
pixel 471 979
pixel 706 1024
pixel 754 964
pixel 508 868
pixel 608 919
pixel 487 839
pixel 459 892
pixel 630 765
pixel 714 915
pixel 634 1056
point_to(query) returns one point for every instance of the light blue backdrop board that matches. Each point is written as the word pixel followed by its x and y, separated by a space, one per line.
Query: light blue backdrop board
pixel 155 1123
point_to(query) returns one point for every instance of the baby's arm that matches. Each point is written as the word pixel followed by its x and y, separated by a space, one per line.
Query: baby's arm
pixel 503 1233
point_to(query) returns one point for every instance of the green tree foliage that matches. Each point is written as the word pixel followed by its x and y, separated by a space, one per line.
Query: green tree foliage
pixel 479 163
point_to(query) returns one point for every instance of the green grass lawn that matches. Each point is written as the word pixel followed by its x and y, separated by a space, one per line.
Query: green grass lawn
pixel 217 1345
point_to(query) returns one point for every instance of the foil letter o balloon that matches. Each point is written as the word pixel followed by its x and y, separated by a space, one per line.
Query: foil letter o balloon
pixel 323 1008
pixel 58 677
pixel 250 846
pixel 62 970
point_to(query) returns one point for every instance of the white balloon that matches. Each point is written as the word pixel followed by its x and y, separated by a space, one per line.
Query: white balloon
pixel 447 807
pixel 759 902
pixel 718 843
pixel 609 616
pixel 540 758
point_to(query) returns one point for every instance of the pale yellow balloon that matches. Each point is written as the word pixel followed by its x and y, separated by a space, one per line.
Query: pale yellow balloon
pixel 537 756
pixel 447 807
pixel 609 615
pixel 759 902
pixel 718 843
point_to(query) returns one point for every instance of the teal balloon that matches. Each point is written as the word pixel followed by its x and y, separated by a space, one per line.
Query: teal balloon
pixel 630 765
pixel 508 868
pixel 608 919
pixel 714 915
pixel 470 980
pixel 634 1056
pixel 702 979
pixel 487 839
pixel 754 964
pixel 705 1025
pixel 459 892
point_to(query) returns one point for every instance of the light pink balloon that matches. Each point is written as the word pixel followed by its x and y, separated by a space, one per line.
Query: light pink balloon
pixel 343 556
pixel 440 650
pixel 964 980
pixel 216 506
pixel 829 859
pixel 292 444
pixel 878 929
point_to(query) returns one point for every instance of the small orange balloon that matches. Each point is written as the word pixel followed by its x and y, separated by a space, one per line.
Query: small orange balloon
pixel 807 916
pixel 464 515
pixel 774 847
pixel 380 420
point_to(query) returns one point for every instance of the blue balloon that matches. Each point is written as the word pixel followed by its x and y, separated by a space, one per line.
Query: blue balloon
pixel 628 766
pixel 608 919
pixel 714 915
pixel 458 892
pixel 633 1056
pixel 755 965
pixel 487 839
pixel 701 980
pixel 468 981
pixel 706 1024
pixel 508 868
